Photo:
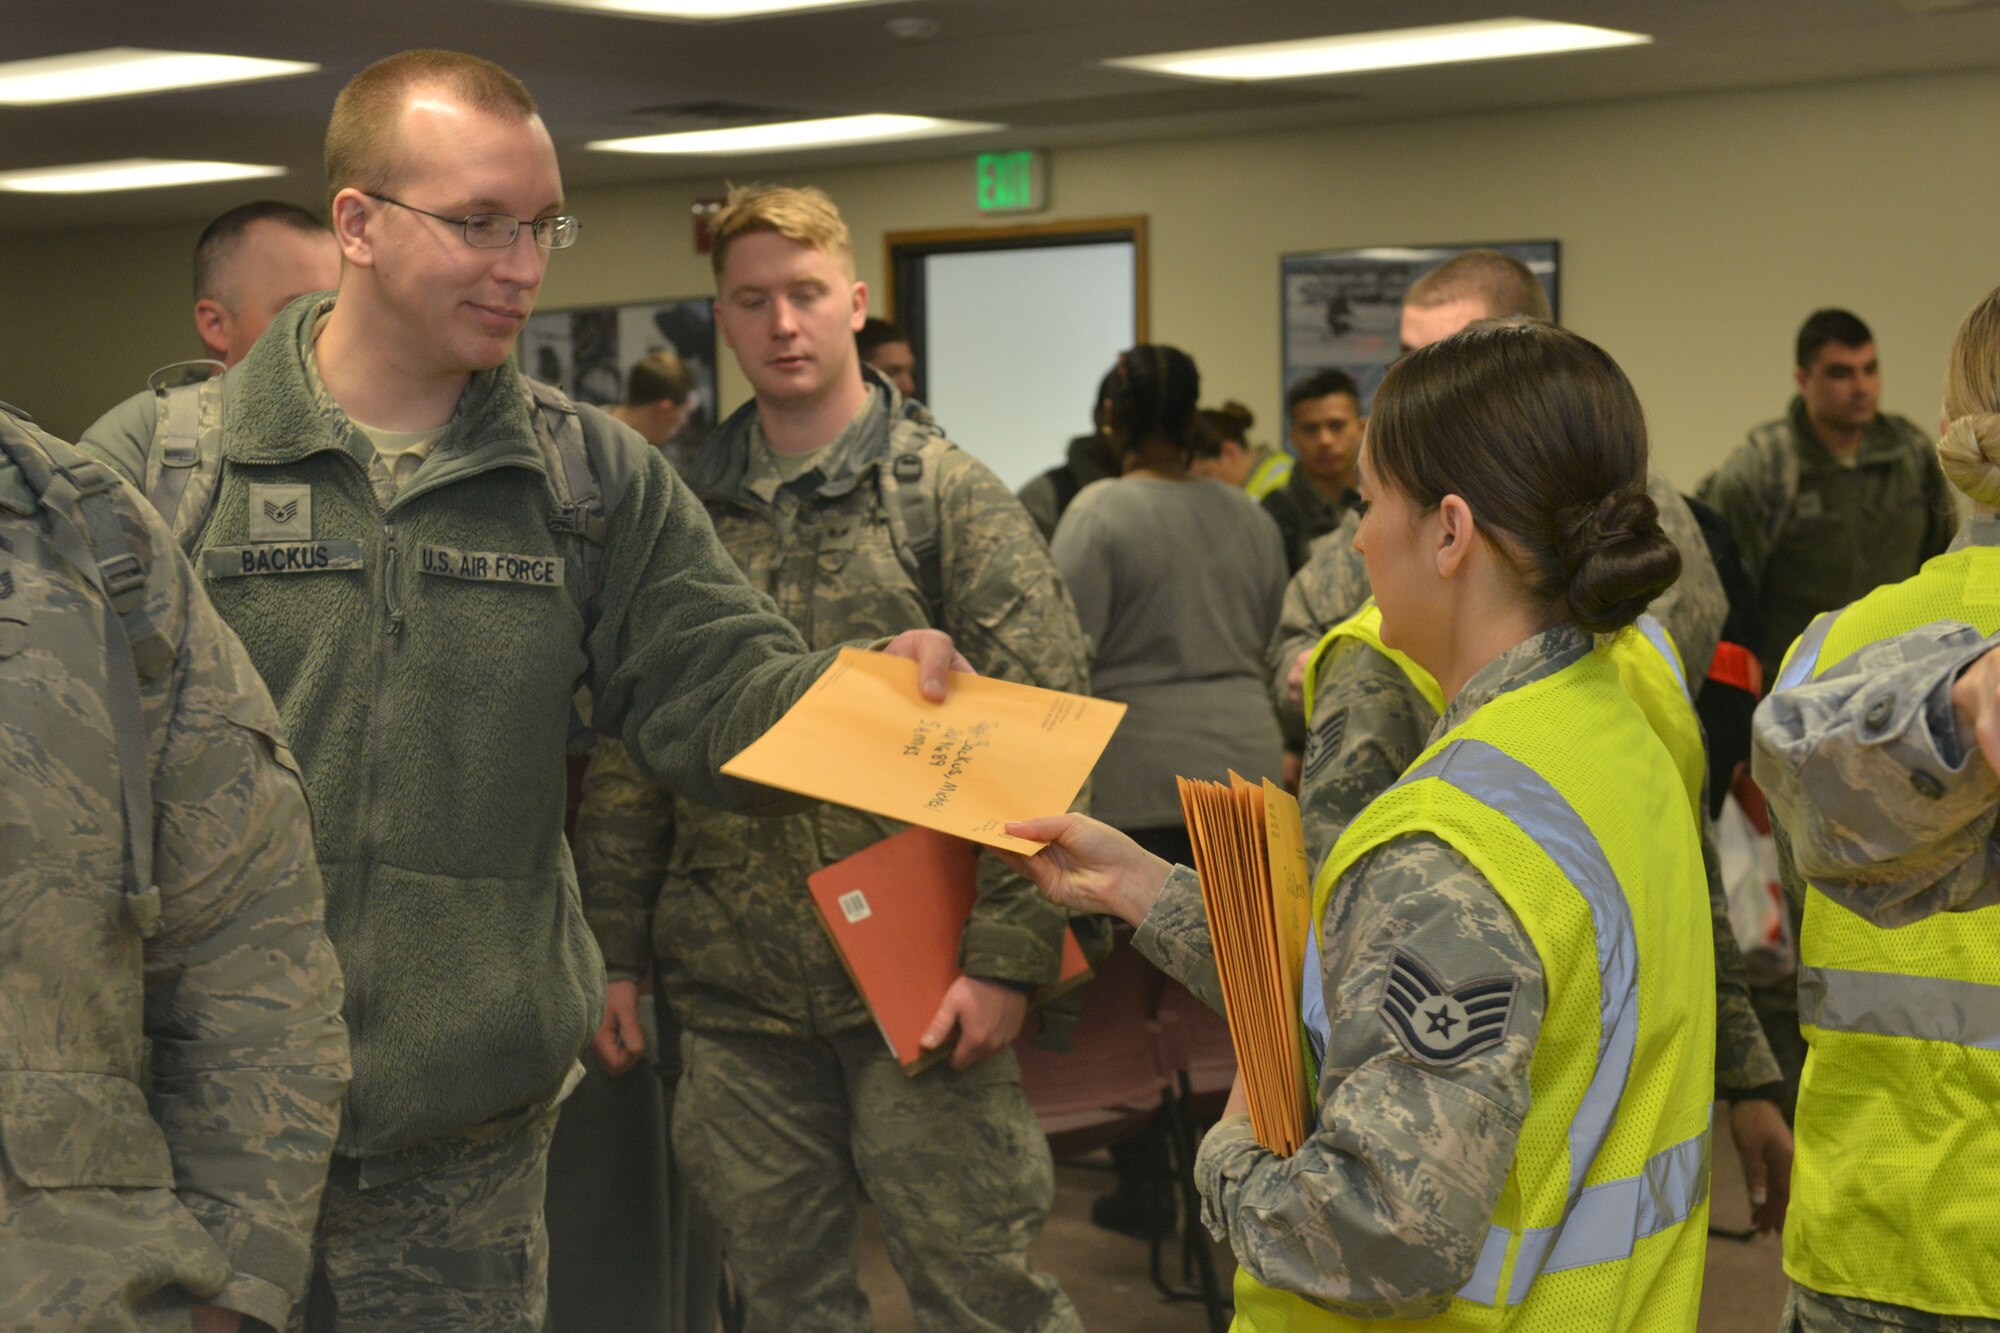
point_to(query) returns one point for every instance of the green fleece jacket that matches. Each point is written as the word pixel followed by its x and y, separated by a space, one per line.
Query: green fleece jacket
pixel 424 655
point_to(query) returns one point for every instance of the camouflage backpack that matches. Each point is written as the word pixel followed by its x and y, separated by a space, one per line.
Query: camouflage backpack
pixel 80 493
pixel 1773 443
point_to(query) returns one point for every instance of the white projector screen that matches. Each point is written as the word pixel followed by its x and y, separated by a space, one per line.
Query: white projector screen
pixel 1016 342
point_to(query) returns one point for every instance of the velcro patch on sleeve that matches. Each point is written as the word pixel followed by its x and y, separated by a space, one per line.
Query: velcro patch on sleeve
pixel 1324 742
pixel 235 562
pixel 1442 1025
pixel 536 571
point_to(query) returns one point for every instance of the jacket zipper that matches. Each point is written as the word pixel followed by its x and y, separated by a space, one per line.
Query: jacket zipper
pixel 392 597
pixel 392 638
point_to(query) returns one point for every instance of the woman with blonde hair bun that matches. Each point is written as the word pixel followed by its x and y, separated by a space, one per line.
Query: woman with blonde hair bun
pixel 1969 453
pixel 1869 752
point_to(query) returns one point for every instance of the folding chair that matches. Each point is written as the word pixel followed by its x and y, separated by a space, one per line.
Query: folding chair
pixel 1194 1048
pixel 1111 1084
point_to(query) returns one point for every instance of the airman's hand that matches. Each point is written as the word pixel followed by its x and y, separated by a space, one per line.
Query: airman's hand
pixel 988 1017
pixel 620 1041
pixel 1765 1146
pixel 1295 678
pixel 932 651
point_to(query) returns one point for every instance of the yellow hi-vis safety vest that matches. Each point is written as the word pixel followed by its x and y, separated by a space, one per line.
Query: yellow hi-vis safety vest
pixel 1273 471
pixel 1648 663
pixel 1898 1168
pixel 1564 799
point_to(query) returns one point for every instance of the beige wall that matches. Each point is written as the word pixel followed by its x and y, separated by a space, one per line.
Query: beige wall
pixel 1696 233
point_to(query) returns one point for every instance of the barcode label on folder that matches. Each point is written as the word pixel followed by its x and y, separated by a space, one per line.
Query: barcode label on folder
pixel 854 906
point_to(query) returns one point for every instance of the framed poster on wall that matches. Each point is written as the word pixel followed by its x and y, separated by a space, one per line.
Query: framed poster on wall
pixel 1343 308
pixel 587 351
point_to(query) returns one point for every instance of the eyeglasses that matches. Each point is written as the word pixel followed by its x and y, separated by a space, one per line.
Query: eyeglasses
pixel 496 231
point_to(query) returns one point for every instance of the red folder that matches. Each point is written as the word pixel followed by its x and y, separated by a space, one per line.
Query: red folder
pixel 895 911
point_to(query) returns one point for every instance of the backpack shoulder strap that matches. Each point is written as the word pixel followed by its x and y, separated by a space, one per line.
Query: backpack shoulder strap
pixel 1781 474
pixel 82 493
pixel 579 511
pixel 185 464
pixel 120 555
pixel 910 501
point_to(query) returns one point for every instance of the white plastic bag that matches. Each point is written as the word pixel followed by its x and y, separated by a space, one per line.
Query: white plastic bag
pixel 1750 883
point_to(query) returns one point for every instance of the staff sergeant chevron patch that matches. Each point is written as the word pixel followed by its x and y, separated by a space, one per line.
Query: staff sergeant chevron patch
pixel 280 513
pixel 1443 1025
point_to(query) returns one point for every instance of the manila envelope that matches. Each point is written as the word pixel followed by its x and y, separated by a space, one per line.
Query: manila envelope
pixel 992 752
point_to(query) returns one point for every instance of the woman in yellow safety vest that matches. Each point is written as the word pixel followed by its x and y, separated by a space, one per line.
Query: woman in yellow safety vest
pixel 1510 991
pixel 1223 452
pixel 1867 749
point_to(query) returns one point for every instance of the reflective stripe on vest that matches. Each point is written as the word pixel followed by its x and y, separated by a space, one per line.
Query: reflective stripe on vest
pixel 1803 661
pixel 1891 1004
pixel 1656 634
pixel 1604 1221
pixel 1602 1226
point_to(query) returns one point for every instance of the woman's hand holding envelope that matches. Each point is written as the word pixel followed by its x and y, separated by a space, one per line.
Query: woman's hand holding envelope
pixel 1089 867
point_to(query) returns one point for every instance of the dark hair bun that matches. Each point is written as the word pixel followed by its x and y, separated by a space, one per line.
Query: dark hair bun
pixel 1617 560
pixel 1239 417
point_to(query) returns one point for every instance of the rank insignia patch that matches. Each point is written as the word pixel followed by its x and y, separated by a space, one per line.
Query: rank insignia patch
pixel 280 513
pixel 1443 1025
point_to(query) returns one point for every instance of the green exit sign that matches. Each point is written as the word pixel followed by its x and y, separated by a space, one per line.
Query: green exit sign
pixel 1012 182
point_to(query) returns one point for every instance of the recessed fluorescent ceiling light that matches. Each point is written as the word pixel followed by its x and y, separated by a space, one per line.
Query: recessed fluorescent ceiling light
pixel 1400 48
pixel 698 11
pixel 132 173
pixel 125 71
pixel 785 134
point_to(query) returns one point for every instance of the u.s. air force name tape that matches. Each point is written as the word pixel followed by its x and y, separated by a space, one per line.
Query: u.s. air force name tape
pixel 309 557
pixel 538 571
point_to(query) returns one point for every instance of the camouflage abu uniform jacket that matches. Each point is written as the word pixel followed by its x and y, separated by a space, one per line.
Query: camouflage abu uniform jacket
pixel 721 899
pixel 1815 531
pixel 1382 1213
pixel 203 1173
pixel 1888 810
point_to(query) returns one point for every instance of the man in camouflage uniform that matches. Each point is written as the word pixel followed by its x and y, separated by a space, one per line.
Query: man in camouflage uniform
pixel 426 555
pixel 1875 774
pixel 1834 498
pixel 1476 285
pixel 157 892
pixel 1828 502
pixel 790 1099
